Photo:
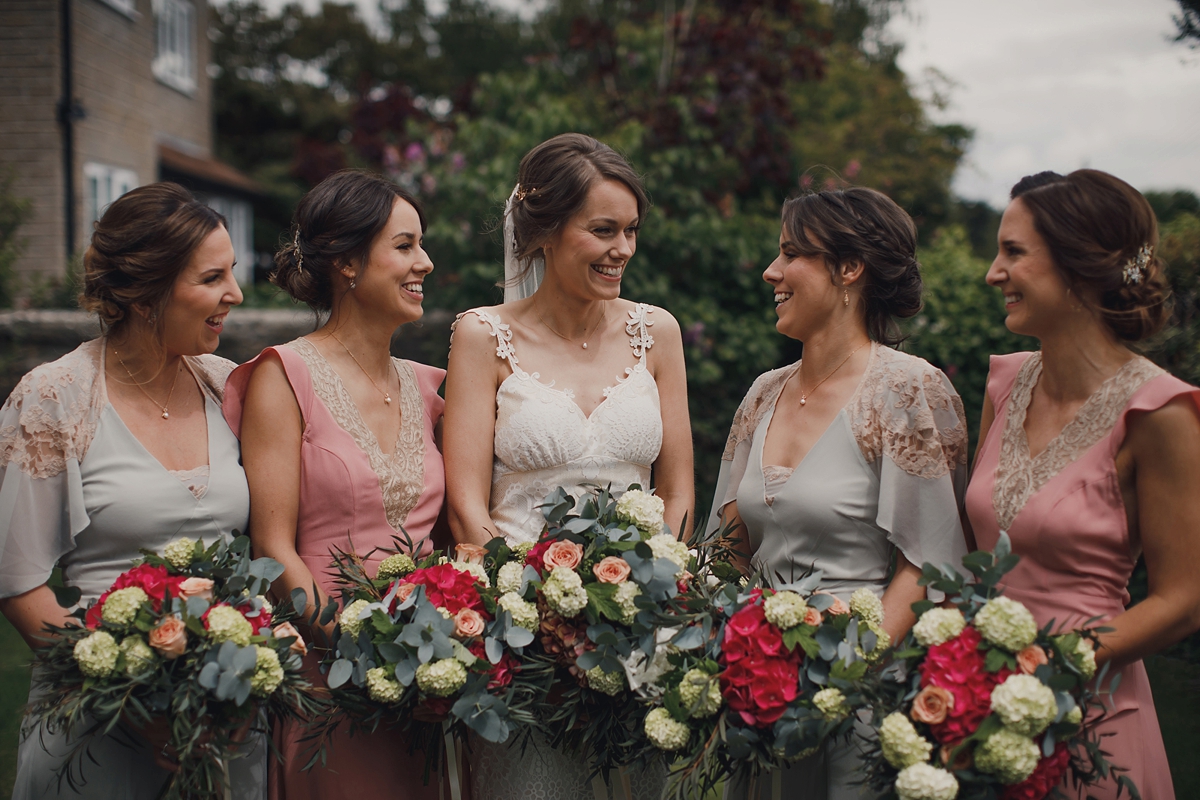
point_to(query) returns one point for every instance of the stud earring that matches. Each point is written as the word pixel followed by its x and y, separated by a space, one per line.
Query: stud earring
pixel 846 297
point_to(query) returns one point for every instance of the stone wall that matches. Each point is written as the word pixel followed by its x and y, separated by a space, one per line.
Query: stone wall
pixel 30 338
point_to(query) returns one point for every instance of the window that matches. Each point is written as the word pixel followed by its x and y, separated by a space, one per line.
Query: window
pixel 240 218
pixel 102 185
pixel 175 53
pixel 126 7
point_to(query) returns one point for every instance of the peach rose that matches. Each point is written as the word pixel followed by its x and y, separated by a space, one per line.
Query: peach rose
pixel 563 554
pixel 812 616
pixel 404 590
pixel 931 705
pixel 961 761
pixel 1031 658
pixel 170 637
pixel 284 629
pixel 196 587
pixel 470 553
pixel 839 607
pixel 467 623
pixel 611 570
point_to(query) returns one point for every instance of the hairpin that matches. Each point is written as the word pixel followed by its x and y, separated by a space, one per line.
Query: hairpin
pixel 521 192
pixel 1138 267
pixel 299 255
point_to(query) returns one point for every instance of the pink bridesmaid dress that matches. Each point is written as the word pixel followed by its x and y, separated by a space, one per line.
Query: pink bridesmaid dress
pixel 1064 513
pixel 356 498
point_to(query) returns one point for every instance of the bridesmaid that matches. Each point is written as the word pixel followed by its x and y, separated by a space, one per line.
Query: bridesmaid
pixel 341 441
pixel 1089 454
pixel 120 445
pixel 852 460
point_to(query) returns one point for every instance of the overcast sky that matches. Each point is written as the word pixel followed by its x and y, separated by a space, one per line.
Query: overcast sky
pixel 1048 84
pixel 1061 84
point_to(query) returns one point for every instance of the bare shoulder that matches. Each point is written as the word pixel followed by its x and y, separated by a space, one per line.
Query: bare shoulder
pixel 1171 431
pixel 665 326
pixel 269 381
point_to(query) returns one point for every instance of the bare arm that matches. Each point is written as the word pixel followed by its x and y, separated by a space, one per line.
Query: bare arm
pixel 271 434
pixel 472 378
pixel 30 612
pixel 1165 450
pixel 986 418
pixel 899 596
pixel 674 475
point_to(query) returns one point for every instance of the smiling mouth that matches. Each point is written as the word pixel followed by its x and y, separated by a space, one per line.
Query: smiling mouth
pixel 607 271
pixel 782 297
pixel 1012 299
pixel 216 321
pixel 415 288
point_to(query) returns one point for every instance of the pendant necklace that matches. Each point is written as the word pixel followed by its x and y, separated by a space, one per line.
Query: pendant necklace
pixel 387 396
pixel 603 315
pixel 170 394
pixel 804 395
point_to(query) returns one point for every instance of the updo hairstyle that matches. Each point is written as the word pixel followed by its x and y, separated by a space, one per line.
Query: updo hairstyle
pixel 139 247
pixel 335 225
pixel 553 183
pixel 860 224
pixel 1094 225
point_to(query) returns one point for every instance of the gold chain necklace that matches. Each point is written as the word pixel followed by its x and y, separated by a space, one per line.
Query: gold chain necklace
pixel 387 396
pixel 804 395
pixel 170 394
pixel 603 316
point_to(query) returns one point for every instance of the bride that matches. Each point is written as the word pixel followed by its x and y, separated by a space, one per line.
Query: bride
pixel 565 384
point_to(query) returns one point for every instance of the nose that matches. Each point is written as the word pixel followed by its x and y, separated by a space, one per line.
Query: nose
pixel 233 294
pixel 624 246
pixel 773 273
pixel 424 264
pixel 996 273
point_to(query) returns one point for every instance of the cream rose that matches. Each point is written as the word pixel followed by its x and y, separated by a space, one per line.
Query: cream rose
pixel 563 554
pixel 812 616
pixel 470 553
pixel 931 705
pixel 611 569
pixel 170 637
pixel 467 623
pixel 196 587
pixel 285 629
pixel 1031 658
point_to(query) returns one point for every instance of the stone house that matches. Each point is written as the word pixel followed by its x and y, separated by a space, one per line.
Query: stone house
pixel 98 97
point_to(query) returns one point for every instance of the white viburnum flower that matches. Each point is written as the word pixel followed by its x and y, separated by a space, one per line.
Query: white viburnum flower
pixel 938 625
pixel 1024 704
pixel 643 510
pixel 626 593
pixel 564 592
pixel 121 607
pixel 610 683
pixel 395 566
pixel 1008 755
pixel 665 732
pixel 867 607
pixel 785 609
pixel 441 678
pixel 882 642
pixel 476 570
pixel 268 672
pixel 1006 623
pixel 226 624
pixel 508 579
pixel 524 613
pixel 381 688
pixel 179 553
pixel 832 704
pixel 349 620
pixel 664 545
pixel 700 693
pixel 926 782
pixel 901 744
pixel 97 654
pixel 139 657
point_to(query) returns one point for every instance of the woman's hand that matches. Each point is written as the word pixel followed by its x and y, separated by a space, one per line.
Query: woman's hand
pixel 32 611
pixel 899 596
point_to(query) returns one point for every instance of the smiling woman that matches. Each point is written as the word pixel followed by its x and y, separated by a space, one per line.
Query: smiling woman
pixel 118 446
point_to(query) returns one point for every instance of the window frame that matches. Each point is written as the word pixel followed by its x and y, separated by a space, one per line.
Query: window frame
pixel 175 44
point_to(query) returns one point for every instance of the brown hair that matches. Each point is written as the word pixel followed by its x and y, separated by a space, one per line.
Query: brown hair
pixel 1094 225
pixel 334 225
pixel 139 247
pixel 554 179
pixel 861 224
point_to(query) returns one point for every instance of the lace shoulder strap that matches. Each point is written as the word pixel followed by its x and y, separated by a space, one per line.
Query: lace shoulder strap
pixel 638 328
pixel 498 328
pixel 762 395
pixel 52 414
pixel 907 410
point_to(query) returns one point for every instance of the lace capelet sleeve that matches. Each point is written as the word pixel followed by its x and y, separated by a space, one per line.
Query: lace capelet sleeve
pixel 754 405
pixel 46 427
pixel 909 423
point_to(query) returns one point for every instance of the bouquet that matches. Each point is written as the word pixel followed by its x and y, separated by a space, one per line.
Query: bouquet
pixel 981 703
pixel 606 589
pixel 422 643
pixel 776 678
pixel 184 641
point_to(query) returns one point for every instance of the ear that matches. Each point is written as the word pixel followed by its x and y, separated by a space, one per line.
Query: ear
pixel 851 272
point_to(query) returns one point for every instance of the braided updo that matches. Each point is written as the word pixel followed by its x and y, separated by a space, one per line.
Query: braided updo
pixel 1094 225
pixel 141 244
pixel 334 226
pixel 860 224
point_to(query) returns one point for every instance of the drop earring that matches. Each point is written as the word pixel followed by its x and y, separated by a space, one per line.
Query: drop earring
pixel 846 297
pixel 352 283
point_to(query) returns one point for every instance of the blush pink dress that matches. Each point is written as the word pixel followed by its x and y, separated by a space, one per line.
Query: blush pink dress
pixel 1064 513
pixel 355 498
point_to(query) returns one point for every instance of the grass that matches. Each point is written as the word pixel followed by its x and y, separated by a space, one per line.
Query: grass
pixel 1176 686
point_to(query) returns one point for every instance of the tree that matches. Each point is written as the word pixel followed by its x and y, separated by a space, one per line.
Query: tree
pixel 1188 22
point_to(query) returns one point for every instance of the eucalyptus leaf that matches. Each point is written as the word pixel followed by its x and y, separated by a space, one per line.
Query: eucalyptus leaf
pixel 339 673
pixel 299 600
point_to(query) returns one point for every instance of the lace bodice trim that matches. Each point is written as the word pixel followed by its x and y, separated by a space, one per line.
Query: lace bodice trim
pixel 196 479
pixel 903 408
pixel 402 474
pixel 52 414
pixel 1018 475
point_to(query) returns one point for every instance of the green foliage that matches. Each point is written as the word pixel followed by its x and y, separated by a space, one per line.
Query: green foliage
pixel 14 212
pixel 1178 347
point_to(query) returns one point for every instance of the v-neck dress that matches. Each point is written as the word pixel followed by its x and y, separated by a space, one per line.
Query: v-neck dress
pixel 1065 515
pixel 886 475
pixel 356 498
pixel 80 491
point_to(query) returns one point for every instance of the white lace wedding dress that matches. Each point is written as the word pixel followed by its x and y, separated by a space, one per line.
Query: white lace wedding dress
pixel 544 440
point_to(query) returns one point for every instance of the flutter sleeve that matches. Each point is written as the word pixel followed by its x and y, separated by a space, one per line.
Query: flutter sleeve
pixel 46 427
pixel 909 420
pixel 762 394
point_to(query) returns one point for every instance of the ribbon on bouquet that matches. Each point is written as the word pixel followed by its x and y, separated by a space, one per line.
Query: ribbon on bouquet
pixel 623 790
pixel 452 766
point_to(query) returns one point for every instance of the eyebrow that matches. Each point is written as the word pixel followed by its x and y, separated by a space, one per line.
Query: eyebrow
pixel 403 234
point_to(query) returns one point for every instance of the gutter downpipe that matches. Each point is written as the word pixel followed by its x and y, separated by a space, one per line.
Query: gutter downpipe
pixel 68 112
